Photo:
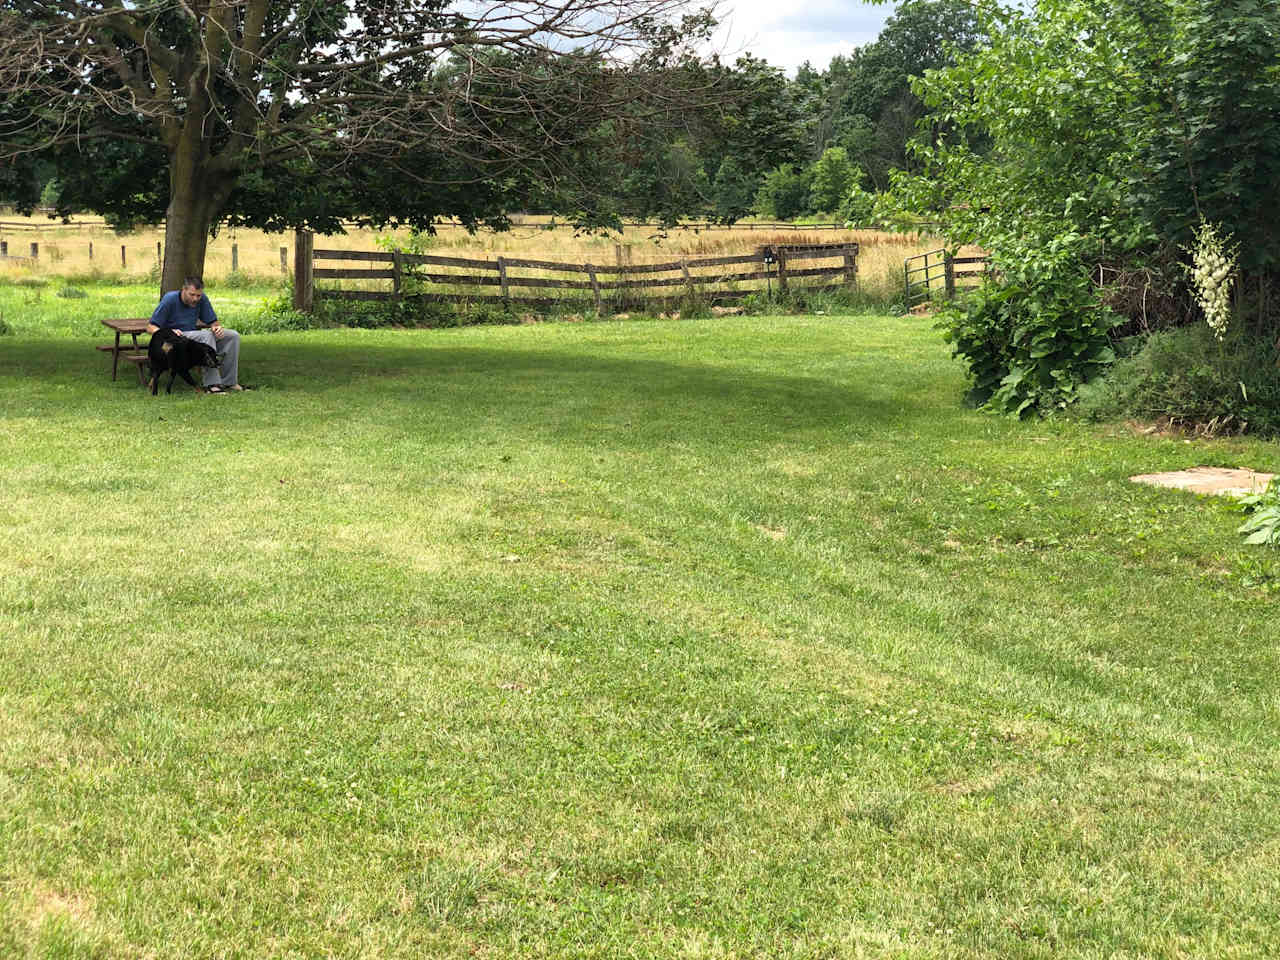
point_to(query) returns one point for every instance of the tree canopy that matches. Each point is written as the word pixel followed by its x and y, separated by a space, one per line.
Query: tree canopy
pixel 210 106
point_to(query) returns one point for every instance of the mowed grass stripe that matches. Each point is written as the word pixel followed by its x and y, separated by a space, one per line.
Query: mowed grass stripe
pixel 736 637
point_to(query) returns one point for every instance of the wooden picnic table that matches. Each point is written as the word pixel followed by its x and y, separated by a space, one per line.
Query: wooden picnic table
pixel 134 353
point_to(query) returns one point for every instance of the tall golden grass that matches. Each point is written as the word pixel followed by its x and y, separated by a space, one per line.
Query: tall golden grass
pixel 64 251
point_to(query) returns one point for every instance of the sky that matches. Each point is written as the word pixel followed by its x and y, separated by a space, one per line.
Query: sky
pixel 788 32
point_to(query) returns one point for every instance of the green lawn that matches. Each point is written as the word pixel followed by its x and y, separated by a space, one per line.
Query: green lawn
pixel 715 638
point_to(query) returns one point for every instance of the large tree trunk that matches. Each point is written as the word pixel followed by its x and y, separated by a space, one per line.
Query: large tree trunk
pixel 198 192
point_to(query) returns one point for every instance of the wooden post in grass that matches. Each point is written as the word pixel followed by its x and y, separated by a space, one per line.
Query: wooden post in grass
pixel 397 272
pixel 688 280
pixel 159 256
pixel 303 277
pixel 949 271
pixel 503 286
pixel 284 261
pixel 4 248
pixel 782 270
pixel 35 251
pixel 235 257
pixel 122 257
pixel 623 254
pixel 90 249
pixel 851 268
pixel 595 285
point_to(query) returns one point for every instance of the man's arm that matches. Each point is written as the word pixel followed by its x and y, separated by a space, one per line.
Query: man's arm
pixel 207 317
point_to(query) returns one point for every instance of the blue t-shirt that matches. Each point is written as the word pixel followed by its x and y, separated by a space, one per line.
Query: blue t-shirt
pixel 173 313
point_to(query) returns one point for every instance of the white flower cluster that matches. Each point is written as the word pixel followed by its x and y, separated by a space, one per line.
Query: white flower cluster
pixel 1213 264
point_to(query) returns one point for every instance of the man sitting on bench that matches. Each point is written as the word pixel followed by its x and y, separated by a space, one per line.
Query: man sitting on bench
pixel 189 313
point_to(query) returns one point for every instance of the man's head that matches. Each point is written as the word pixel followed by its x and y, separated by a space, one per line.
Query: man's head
pixel 192 291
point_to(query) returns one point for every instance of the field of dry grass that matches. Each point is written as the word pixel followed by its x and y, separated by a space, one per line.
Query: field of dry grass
pixel 89 249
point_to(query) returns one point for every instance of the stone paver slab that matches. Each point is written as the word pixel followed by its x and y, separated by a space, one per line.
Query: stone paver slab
pixel 1215 480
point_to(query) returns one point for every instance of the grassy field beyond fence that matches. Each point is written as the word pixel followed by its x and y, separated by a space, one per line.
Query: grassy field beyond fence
pixel 65 249
pixel 736 637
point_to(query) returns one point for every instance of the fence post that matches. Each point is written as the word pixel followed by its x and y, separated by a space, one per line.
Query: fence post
pixel 851 267
pixel 284 260
pixel 4 248
pixel 949 268
pixel 782 269
pixel 595 286
pixel 90 249
pixel 624 257
pixel 159 256
pixel 397 271
pixel 235 257
pixel 906 282
pixel 303 275
pixel 35 251
pixel 122 264
pixel 503 286
pixel 688 280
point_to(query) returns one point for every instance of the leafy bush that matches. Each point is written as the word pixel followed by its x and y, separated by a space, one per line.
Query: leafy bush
pixel 830 179
pixel 237 280
pixel 1036 334
pixel 858 208
pixel 409 312
pixel 784 194
pixel 50 194
pixel 71 293
pixel 277 314
pixel 1191 378
pixel 1263 525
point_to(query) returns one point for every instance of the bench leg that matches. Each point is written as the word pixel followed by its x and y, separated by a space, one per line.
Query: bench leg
pixel 115 356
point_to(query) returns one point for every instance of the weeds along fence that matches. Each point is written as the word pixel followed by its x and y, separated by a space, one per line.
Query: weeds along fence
pixel 383 276
pixel 935 270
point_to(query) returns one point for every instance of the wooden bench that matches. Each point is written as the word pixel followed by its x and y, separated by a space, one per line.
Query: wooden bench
pixel 134 353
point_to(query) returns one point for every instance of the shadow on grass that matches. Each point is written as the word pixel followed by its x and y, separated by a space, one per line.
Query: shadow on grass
pixel 553 388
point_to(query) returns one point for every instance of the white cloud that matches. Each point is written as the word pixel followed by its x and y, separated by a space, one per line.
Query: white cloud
pixel 787 34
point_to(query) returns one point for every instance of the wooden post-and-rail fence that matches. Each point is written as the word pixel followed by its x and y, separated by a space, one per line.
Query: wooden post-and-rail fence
pixel 507 280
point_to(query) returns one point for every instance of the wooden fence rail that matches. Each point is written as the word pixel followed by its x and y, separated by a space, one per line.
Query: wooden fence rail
pixel 428 277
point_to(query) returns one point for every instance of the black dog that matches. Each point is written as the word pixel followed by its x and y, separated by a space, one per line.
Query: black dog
pixel 168 351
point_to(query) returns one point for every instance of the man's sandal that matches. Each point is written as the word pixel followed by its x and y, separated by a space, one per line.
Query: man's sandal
pixel 215 389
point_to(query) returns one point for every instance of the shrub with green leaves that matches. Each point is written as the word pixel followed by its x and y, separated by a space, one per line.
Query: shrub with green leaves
pixel 858 208
pixel 1263 525
pixel 1036 334
pixel 1193 379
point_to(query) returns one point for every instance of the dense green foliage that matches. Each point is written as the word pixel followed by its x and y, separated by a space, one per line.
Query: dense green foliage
pixel 1189 378
pixel 1035 337
pixel 1112 130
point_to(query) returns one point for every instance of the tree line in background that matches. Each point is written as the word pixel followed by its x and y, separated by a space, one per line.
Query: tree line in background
pixel 740 139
